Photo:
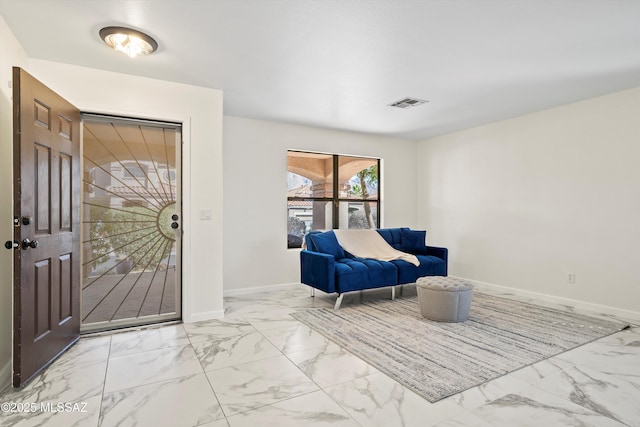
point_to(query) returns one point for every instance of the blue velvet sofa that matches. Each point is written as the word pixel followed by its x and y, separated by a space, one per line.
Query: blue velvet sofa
pixel 326 266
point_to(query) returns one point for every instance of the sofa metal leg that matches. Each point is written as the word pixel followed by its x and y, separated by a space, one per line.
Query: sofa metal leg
pixel 393 293
pixel 338 301
pixel 313 292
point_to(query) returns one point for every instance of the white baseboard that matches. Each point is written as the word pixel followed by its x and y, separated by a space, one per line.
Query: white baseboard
pixel 582 305
pixel 5 376
pixel 578 304
pixel 256 289
pixel 206 315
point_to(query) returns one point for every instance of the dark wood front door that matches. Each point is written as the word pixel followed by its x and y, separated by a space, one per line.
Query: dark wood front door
pixel 47 226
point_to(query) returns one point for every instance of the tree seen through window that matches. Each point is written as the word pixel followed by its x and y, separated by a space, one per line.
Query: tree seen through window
pixel 316 200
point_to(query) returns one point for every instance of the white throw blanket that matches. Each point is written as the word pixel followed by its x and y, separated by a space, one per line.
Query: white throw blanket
pixel 369 244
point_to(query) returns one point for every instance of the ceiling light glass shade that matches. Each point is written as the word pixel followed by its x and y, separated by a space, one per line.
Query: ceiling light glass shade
pixel 128 41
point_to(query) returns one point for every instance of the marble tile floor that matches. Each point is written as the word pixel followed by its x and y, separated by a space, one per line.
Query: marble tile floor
pixel 260 367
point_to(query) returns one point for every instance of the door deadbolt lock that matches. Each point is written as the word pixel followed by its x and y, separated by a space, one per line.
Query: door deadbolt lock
pixel 175 217
pixel 26 244
pixel 174 225
pixel 11 244
pixel 26 220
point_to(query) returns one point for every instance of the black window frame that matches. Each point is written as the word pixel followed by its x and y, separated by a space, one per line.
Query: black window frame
pixel 336 199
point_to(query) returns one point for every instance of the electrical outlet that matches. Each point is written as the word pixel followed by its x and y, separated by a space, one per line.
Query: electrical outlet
pixel 571 277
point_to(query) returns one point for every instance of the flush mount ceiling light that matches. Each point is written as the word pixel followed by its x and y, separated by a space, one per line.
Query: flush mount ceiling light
pixel 128 41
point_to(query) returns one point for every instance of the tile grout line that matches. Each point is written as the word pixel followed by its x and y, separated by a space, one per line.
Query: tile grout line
pixel 320 388
pixel 224 415
pixel 104 382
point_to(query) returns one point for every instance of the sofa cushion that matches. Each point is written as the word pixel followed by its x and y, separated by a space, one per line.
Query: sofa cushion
pixel 353 274
pixel 327 243
pixel 413 241
pixel 429 266
pixel 392 236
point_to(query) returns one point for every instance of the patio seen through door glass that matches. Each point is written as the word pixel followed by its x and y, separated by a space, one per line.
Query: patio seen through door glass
pixel 131 220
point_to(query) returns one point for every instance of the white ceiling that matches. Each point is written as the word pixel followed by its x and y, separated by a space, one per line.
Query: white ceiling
pixel 337 64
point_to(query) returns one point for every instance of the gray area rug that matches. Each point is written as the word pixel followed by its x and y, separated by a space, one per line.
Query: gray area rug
pixel 437 360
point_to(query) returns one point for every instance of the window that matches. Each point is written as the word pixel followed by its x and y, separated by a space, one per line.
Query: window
pixel 132 170
pixel 318 201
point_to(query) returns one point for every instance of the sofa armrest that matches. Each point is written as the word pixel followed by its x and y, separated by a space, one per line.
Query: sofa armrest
pixel 431 250
pixel 318 270
pixel 437 251
pixel 442 253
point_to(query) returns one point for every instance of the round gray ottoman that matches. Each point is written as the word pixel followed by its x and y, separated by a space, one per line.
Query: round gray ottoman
pixel 444 299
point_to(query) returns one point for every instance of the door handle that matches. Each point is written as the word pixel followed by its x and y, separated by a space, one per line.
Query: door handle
pixel 26 244
pixel 11 244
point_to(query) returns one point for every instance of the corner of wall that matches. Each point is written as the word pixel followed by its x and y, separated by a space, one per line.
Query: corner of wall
pixel 517 206
pixel 11 54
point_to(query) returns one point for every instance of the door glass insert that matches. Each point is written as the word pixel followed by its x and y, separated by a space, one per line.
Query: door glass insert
pixel 131 222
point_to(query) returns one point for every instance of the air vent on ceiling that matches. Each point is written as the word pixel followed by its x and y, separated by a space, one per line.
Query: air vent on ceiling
pixel 407 103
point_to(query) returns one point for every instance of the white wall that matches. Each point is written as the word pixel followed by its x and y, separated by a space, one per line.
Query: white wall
pixel 255 193
pixel 11 54
pixel 200 111
pixel 523 202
